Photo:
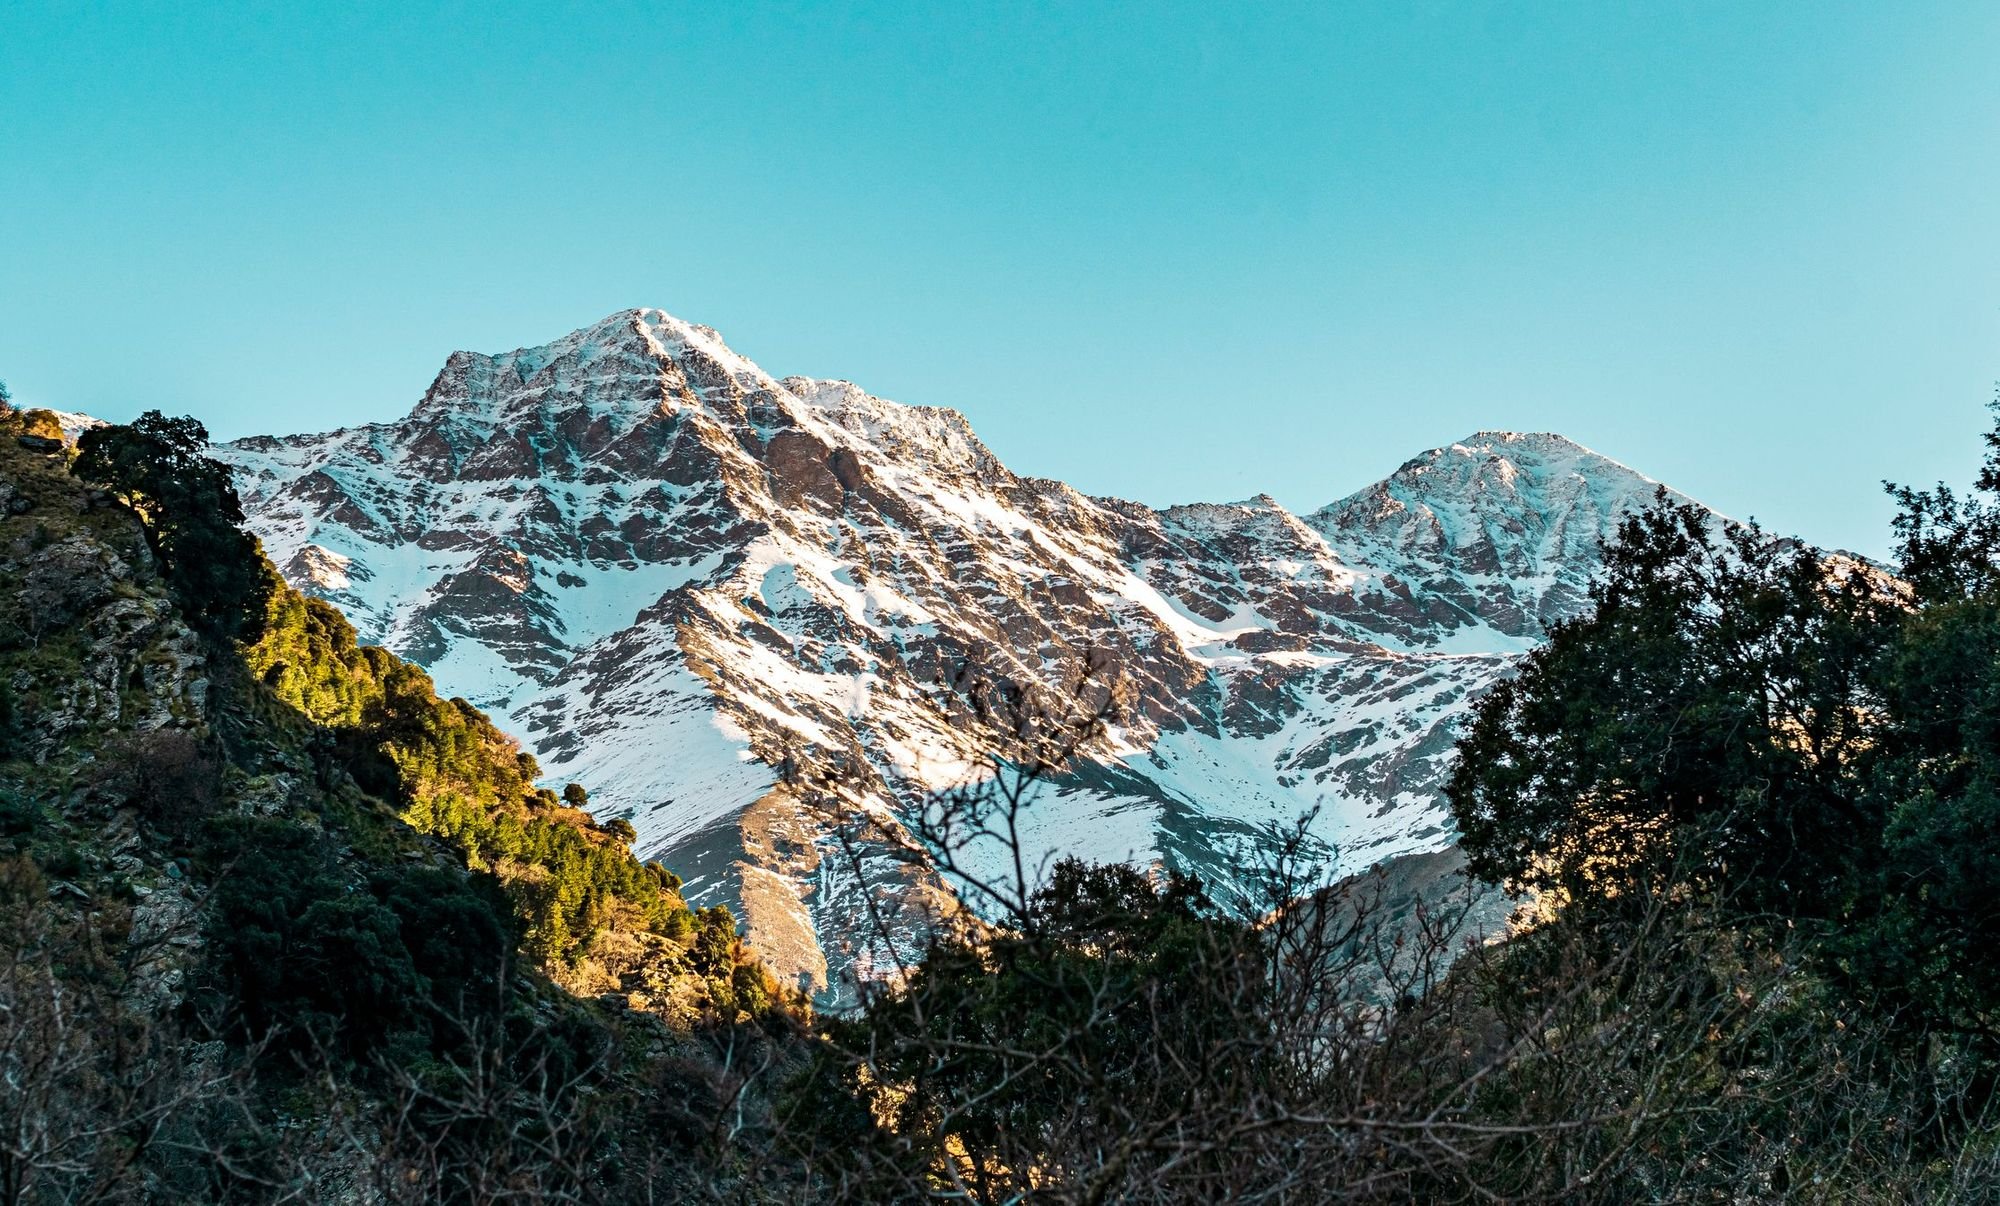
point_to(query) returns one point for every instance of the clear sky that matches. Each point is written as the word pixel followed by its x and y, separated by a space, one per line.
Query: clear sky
pixel 1169 252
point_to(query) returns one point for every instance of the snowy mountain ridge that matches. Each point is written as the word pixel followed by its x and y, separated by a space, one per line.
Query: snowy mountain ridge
pixel 668 572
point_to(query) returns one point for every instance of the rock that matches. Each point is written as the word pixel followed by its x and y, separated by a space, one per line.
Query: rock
pixel 267 795
pixel 67 579
pixel 40 443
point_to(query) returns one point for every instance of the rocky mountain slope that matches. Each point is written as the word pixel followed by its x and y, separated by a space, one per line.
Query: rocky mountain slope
pixel 668 573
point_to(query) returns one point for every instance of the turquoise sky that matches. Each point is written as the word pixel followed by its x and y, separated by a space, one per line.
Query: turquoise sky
pixel 1165 252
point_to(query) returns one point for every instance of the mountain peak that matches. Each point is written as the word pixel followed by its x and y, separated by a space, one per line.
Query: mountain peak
pixel 1531 439
pixel 621 368
pixel 1520 445
pixel 638 323
pixel 675 337
pixel 1521 508
pixel 1509 461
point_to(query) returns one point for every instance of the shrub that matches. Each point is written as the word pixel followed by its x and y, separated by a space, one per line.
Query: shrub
pixel 414 963
pixel 41 424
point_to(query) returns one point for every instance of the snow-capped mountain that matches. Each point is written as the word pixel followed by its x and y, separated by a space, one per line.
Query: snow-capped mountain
pixel 669 572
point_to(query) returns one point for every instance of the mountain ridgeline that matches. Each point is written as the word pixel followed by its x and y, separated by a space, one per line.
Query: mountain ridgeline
pixel 671 575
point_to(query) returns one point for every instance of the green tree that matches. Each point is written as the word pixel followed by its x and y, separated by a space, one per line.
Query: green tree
pixel 408 963
pixel 1007 1042
pixel 1801 741
pixel 1937 772
pixel 1710 715
pixel 192 516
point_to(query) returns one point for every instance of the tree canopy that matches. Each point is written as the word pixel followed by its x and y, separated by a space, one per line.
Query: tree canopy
pixel 192 515
pixel 1800 738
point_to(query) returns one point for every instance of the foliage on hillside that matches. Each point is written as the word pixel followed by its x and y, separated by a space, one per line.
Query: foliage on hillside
pixel 596 916
pixel 451 773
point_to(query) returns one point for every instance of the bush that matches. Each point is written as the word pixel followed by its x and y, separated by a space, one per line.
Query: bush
pixel 41 424
pixel 20 816
pixel 415 962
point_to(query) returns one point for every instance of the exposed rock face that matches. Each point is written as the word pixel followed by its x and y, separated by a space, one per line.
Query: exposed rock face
pixel 95 662
pixel 81 587
pixel 668 572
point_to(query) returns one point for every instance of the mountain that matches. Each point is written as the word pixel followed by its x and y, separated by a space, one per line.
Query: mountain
pixel 669 573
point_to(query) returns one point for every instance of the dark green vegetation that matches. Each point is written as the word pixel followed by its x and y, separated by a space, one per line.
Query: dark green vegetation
pixel 1792 741
pixel 192 517
pixel 1003 1042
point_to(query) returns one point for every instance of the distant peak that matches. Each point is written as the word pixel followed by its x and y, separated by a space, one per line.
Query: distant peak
pixel 1548 440
pixel 662 323
pixel 1490 465
pixel 1532 452
pixel 634 343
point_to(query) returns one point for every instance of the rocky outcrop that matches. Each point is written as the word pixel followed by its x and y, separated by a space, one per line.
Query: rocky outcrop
pixel 112 651
pixel 97 670
pixel 670 573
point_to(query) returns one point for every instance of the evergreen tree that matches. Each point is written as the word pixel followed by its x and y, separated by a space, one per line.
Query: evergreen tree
pixel 1801 740
pixel 1709 718
pixel 193 518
